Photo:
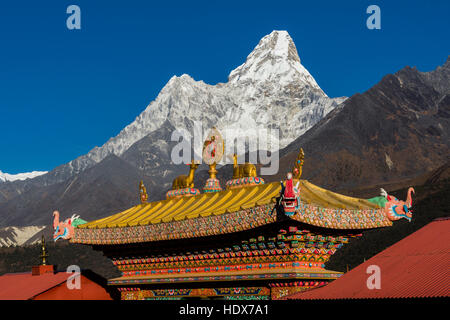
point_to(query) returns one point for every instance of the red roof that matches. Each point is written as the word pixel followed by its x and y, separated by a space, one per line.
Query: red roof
pixel 416 266
pixel 24 286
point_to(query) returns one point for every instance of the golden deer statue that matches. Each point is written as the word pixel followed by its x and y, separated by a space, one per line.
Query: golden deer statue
pixel 185 181
pixel 243 170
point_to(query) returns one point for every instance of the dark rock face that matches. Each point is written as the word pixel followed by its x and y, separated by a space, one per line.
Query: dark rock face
pixel 398 129
pixel 152 155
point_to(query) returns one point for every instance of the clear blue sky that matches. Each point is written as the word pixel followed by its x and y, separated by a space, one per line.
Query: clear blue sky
pixel 63 92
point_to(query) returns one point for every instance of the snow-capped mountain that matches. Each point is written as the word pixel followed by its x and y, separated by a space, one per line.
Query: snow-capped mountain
pixel 274 59
pixel 271 89
pixel 4 177
pixel 17 236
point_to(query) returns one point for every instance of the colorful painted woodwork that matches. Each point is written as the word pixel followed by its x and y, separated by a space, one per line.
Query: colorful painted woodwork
pixel 288 255
pixel 290 195
pixel 238 293
pixel 395 209
pixel 244 182
pixel 212 185
pixel 186 192
pixel 65 229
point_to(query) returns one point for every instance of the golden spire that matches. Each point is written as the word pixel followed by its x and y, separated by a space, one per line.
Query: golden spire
pixel 44 253
pixel 298 166
pixel 143 196
pixel 212 171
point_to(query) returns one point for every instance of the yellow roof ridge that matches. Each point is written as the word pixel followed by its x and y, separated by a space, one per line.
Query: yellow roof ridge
pixel 222 202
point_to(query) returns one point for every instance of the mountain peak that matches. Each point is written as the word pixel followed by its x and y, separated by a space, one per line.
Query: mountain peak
pixel 276 59
pixel 280 44
pixel 4 177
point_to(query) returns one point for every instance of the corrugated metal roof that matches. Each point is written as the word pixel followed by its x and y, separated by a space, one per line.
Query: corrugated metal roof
pixel 416 266
pixel 24 286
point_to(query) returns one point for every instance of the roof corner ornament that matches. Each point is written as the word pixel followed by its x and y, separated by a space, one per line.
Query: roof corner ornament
pixel 290 190
pixel 395 209
pixel 298 166
pixel 65 229
pixel 143 196
pixel 290 195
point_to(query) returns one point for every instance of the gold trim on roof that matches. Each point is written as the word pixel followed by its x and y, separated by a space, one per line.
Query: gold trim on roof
pixel 176 209
pixel 232 200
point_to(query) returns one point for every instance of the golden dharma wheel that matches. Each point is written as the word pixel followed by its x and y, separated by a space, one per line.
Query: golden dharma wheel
pixel 213 147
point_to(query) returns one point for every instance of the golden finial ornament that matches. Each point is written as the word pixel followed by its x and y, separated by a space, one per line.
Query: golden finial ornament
pixel 143 196
pixel 44 253
pixel 212 171
pixel 213 150
pixel 210 146
pixel 298 166
pixel 243 170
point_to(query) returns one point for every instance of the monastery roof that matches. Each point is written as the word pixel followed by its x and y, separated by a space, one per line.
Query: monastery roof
pixel 416 266
pixel 207 204
pixel 24 286
pixel 228 211
pixel 202 205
